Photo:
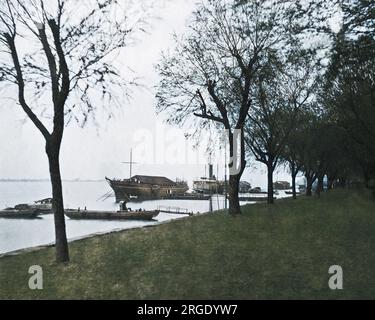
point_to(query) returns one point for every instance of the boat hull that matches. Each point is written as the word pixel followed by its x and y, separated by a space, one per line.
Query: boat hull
pixel 111 215
pixel 137 192
pixel 19 214
pixel 40 208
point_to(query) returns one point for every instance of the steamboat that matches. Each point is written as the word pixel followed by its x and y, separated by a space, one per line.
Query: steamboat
pixel 211 185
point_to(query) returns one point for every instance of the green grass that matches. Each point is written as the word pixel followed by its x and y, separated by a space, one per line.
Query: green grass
pixel 270 252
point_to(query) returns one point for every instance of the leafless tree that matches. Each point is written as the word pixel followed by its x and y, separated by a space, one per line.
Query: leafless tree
pixel 59 54
pixel 280 94
pixel 209 75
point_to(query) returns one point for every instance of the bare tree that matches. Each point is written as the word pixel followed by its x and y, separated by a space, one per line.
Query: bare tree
pixel 292 151
pixel 284 89
pixel 208 76
pixel 59 55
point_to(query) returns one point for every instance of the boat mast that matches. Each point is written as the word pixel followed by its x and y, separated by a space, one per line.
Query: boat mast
pixel 130 163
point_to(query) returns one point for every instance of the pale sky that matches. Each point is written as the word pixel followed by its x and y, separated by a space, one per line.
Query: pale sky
pixel 93 153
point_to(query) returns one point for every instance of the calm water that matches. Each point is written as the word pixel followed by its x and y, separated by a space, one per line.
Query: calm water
pixel 18 234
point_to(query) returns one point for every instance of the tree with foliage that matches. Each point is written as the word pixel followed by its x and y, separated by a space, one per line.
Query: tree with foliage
pixel 210 73
pixel 295 147
pixel 280 94
pixel 58 54
pixel 348 29
pixel 358 17
pixel 349 95
pixel 301 146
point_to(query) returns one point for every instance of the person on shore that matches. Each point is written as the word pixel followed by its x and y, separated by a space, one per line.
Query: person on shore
pixel 123 206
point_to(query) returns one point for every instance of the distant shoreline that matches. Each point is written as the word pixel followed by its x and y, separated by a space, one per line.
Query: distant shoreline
pixel 48 180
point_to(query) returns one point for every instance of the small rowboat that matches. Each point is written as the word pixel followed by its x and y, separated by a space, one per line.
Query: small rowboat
pixel 11 213
pixel 111 215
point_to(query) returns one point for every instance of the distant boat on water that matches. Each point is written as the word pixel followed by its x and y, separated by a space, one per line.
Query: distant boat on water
pixel 209 185
pixel 43 206
pixel 12 213
pixel 28 211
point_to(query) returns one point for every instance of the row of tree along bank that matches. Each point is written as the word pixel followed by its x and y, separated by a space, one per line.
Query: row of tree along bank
pixel 296 80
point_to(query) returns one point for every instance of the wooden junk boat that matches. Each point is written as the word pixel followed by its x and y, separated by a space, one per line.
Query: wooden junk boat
pixel 147 187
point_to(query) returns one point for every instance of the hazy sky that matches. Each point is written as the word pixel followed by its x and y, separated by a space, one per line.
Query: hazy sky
pixel 93 153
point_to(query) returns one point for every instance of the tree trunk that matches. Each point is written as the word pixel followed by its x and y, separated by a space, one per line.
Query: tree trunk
pixel 235 175
pixel 342 182
pixel 294 174
pixel 61 243
pixel 331 181
pixel 309 183
pixel 320 187
pixel 270 184
pixel 234 201
pixel 321 183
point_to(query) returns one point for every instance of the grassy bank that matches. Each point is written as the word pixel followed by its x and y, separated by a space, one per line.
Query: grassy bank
pixel 279 251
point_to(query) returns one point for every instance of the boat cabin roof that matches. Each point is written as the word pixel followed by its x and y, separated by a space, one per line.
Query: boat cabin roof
pixel 156 180
pixel 44 201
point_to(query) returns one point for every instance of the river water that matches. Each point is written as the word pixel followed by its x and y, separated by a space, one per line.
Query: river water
pixel 18 234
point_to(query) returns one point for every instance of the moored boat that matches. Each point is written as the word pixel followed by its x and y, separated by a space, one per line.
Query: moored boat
pixel 111 215
pixel 12 213
pixel 43 206
pixel 146 188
